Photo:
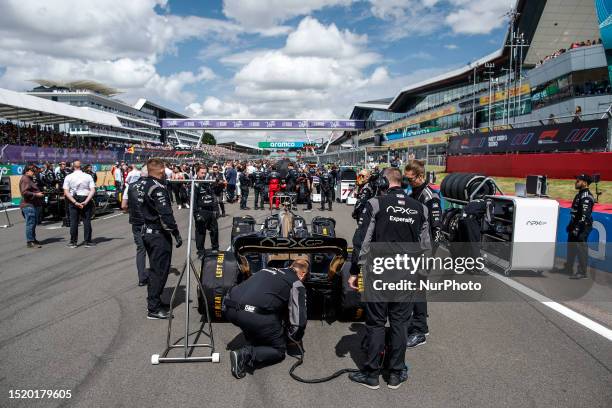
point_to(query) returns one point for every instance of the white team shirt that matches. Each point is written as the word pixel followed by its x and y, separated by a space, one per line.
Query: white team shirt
pixel 132 176
pixel 79 183
pixel 118 175
pixel 168 173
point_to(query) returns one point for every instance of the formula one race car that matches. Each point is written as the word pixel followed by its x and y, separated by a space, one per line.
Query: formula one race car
pixel 281 238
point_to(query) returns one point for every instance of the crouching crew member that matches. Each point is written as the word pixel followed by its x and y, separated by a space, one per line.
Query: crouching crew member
pixel 579 228
pixel 258 306
pixel 133 199
pixel 378 223
pixel 158 230
pixel 205 213
pixel 414 174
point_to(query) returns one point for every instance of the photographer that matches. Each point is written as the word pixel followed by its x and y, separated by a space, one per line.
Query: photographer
pixel 304 183
pixel 218 187
pixel 364 190
pixel 579 227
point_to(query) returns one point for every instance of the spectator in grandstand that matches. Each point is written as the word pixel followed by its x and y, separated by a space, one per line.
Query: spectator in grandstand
pixel 577 114
pixel 31 204
pixel 551 119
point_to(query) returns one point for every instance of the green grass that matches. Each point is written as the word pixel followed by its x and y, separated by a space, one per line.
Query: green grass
pixel 557 188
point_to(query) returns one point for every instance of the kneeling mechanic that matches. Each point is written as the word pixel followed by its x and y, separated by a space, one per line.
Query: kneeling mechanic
pixel 259 306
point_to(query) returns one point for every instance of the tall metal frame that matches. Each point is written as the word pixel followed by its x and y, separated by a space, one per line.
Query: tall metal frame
pixel 188 269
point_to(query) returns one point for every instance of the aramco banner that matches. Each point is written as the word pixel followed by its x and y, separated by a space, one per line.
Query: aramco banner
pixel 280 145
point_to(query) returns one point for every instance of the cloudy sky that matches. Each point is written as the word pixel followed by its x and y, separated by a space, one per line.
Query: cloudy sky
pixel 246 58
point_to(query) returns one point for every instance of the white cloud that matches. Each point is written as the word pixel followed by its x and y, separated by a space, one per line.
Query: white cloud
pixel 478 17
pixel 114 42
pixel 266 14
pixel 214 107
pixel 451 46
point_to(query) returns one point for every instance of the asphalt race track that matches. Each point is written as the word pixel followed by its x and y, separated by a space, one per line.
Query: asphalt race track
pixel 75 319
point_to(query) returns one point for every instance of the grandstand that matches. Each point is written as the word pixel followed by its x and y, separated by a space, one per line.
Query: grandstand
pixel 550 69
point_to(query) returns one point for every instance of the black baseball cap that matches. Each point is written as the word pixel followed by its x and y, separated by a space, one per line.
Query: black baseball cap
pixel 585 177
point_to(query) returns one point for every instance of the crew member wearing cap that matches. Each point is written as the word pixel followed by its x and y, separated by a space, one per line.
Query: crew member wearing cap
pixel 259 306
pixel 579 227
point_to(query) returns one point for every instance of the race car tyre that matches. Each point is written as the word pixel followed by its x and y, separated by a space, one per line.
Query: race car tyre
pixel 219 273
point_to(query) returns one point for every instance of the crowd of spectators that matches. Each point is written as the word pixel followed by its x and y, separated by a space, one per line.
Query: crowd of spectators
pixel 41 136
pixel 562 51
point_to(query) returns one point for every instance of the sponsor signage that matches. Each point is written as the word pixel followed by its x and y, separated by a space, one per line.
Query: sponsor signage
pixel 410 133
pixel 500 96
pixel 34 154
pixel 587 135
pixel 280 145
pixel 266 124
pixel 420 141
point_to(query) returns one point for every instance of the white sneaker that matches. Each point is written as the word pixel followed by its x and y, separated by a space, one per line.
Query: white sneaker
pixel 180 208
pixel 187 206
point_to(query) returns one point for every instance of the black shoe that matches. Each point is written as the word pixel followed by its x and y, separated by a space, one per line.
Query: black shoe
pixel 143 282
pixel 214 251
pixel 366 379
pixel 578 276
pixel 89 244
pixel 321 209
pixel 71 245
pixel 238 361
pixel 30 244
pixel 416 339
pixel 246 208
pixel 159 315
pixel 37 243
pixel 396 379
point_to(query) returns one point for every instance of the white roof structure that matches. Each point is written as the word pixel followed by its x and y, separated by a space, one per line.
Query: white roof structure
pixel 27 108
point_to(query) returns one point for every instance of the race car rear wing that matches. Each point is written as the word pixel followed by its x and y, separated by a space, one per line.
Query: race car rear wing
pixel 249 244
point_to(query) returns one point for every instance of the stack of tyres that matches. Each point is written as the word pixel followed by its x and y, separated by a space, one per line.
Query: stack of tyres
pixel 324 226
pixel 461 186
pixel 241 226
pixel 219 273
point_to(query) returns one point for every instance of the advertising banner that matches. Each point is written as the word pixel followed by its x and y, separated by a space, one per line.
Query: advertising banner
pixel 500 96
pixel 266 124
pixel 280 145
pixel 410 133
pixel 587 135
pixel 34 154
pixel 420 141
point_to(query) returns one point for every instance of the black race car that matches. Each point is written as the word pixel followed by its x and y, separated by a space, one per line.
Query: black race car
pixel 278 241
